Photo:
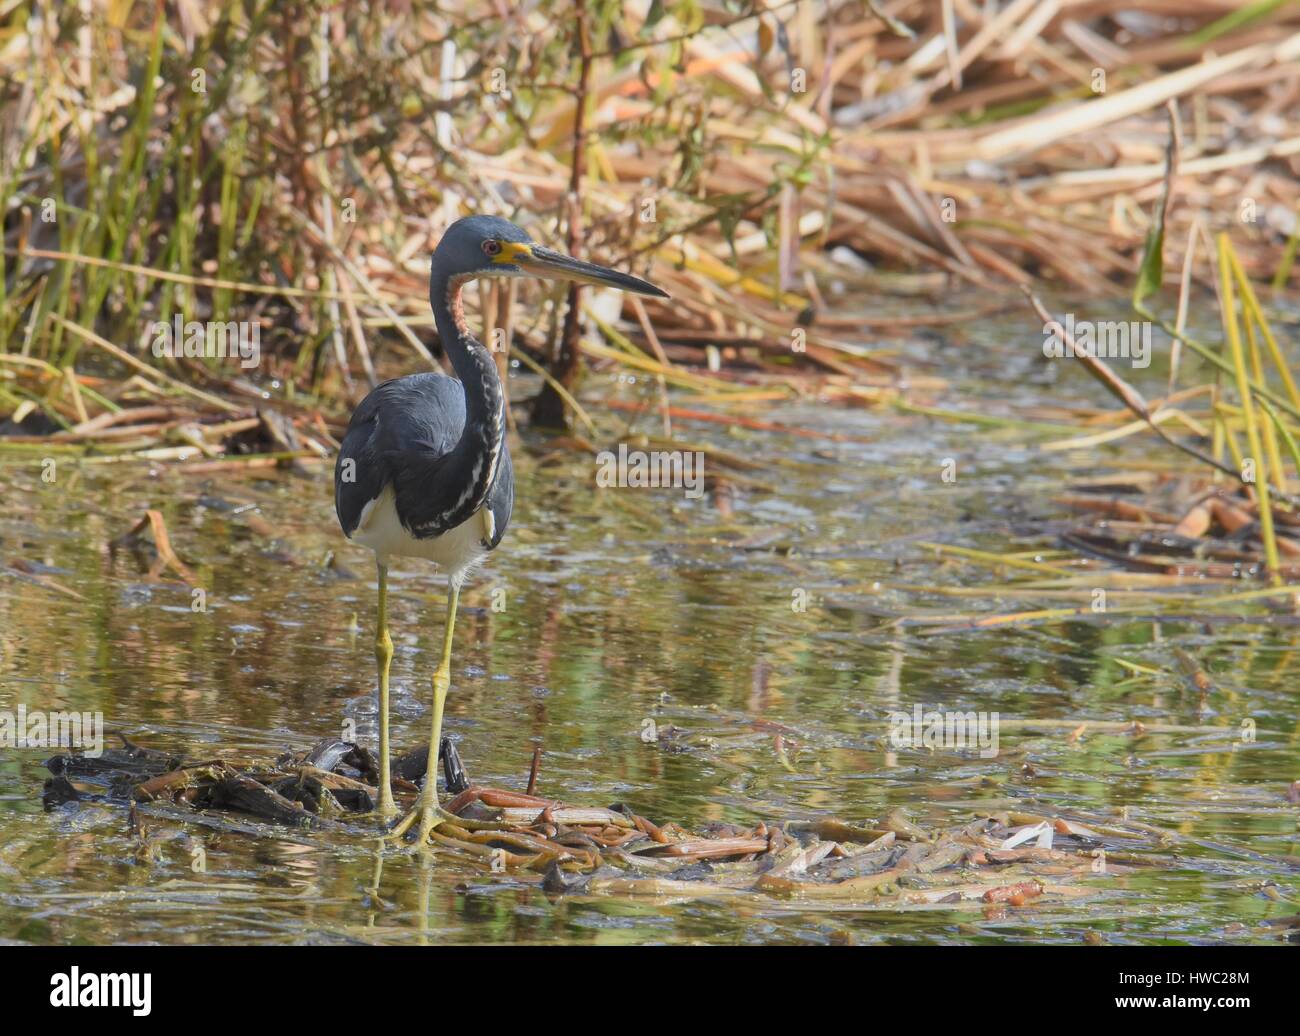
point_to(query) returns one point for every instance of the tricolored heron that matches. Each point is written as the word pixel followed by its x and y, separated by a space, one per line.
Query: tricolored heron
pixel 424 470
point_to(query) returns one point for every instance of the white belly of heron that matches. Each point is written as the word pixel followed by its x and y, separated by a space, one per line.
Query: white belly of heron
pixel 456 551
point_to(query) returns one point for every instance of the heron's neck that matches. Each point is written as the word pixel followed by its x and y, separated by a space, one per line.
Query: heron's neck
pixel 471 360
pixel 483 437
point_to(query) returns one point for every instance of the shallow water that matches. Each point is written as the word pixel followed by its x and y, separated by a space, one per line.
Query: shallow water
pixel 625 611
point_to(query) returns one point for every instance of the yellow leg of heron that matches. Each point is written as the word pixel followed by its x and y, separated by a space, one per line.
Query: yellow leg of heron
pixel 429 814
pixel 384 656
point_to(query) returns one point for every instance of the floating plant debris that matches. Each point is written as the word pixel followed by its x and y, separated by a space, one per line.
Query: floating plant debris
pixel 992 862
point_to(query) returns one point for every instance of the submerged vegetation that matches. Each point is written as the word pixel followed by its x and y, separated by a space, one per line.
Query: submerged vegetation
pixel 285 168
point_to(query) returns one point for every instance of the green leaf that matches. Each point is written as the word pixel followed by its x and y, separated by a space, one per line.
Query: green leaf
pixel 1152 272
pixel 654 15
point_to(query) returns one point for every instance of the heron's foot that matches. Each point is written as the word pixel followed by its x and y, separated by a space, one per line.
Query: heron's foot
pixel 432 817
pixel 386 810
pixel 383 808
pixel 429 817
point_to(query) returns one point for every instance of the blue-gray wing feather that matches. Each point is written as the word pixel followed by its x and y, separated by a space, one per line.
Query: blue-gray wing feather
pixel 403 434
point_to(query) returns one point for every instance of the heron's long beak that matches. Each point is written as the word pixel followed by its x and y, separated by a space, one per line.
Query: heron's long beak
pixel 543 262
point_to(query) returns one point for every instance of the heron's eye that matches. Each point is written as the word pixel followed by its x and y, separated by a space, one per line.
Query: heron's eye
pixel 491 247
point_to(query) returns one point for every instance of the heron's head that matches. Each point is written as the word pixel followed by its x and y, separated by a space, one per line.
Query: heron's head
pixel 489 246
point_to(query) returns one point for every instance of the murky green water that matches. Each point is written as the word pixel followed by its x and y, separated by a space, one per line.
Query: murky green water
pixel 623 609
